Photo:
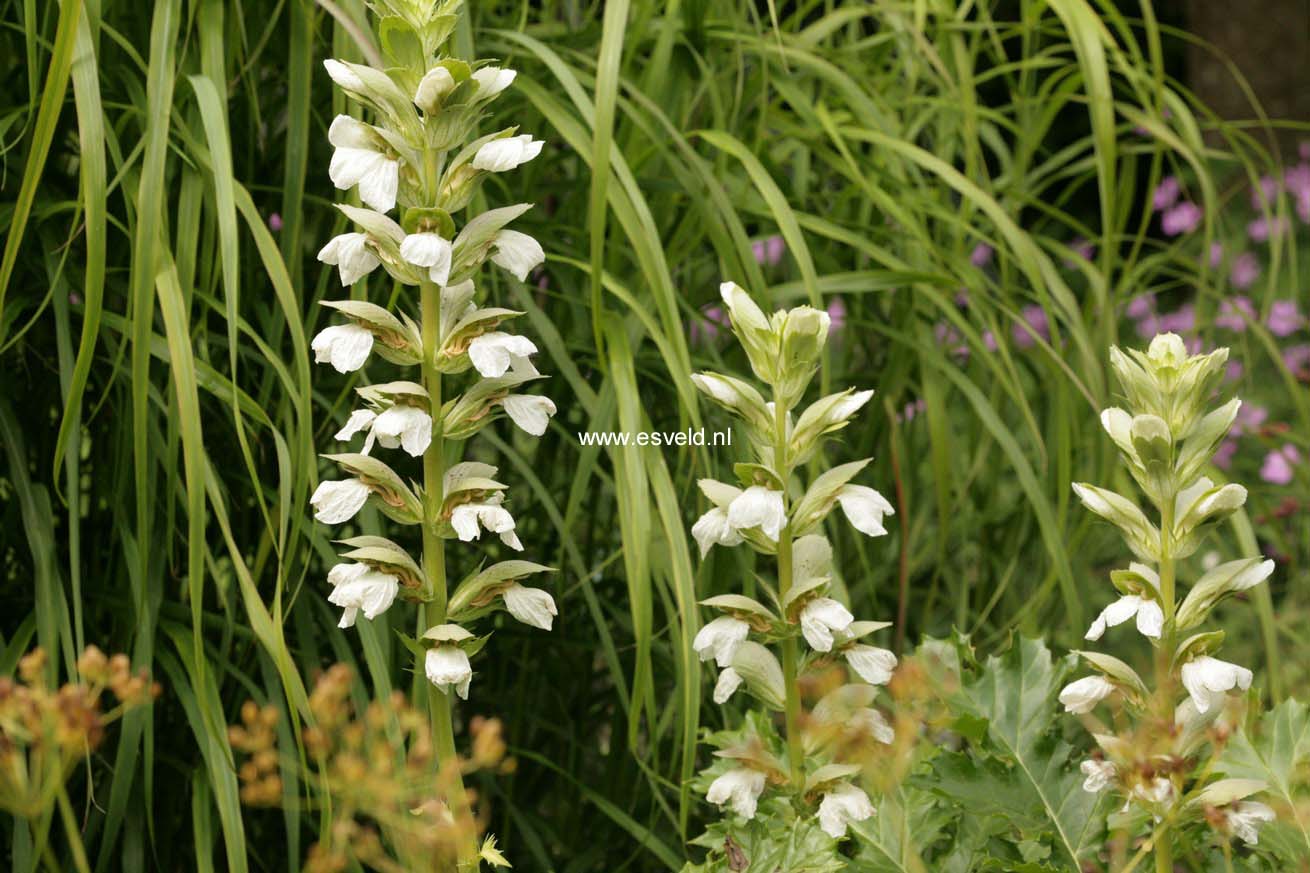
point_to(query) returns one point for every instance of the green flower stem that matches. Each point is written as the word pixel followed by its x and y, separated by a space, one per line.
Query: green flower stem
pixel 795 754
pixel 1164 857
pixel 433 612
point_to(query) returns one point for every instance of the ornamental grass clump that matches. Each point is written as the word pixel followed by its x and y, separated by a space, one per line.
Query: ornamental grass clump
pixel 419 155
pixel 788 796
pixel 1158 755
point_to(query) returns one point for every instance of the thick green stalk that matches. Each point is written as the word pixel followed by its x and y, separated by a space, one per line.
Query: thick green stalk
pixel 434 568
pixel 795 754
pixel 1164 858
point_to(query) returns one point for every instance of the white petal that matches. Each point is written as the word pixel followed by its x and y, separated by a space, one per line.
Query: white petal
pixel 507 153
pixel 492 353
pixel 359 420
pixel 409 425
pixel 345 346
pixel 1100 775
pixel 337 500
pixel 758 507
pixel 378 187
pixel 1115 614
pixel 370 591
pixel 351 133
pixel 842 805
pixel 1082 695
pixel 435 84
pixel 820 618
pixel 531 412
pixel 712 528
pixel 530 605
pixel 1150 619
pixel 492 80
pixel 428 250
pixel 343 75
pixel 511 539
pixel 740 788
pixel 870 663
pixel 448 666
pixel 719 639
pixel 874 723
pixel 729 682
pixel 865 509
pixel 464 519
pixel 517 252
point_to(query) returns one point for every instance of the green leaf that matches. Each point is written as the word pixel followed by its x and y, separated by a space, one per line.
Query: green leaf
pixel 1277 753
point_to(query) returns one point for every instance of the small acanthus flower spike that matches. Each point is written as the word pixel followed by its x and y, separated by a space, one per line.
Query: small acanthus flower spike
pixel 726 686
pixel 493 353
pixel 870 663
pixel 447 667
pixel 1100 775
pixel 1244 818
pixel 1208 680
pixel 531 606
pixel 758 507
pixel 352 255
pixel 506 153
pixel 336 501
pixel 517 252
pixel 740 789
pixel 531 412
pixel 344 346
pixel 865 508
pixel 1150 617
pixel 430 251
pixel 820 618
pixel 1082 695
pixel 719 639
pixel 359 587
pixel 842 805
pixel 360 159
pixel 470 519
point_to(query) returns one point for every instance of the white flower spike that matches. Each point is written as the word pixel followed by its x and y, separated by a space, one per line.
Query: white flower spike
pixel 530 605
pixel 1208 680
pixel 719 639
pixel 344 346
pixel 447 667
pixel 359 588
pixel 842 805
pixel 359 160
pixel 820 618
pixel 740 789
pixel 336 501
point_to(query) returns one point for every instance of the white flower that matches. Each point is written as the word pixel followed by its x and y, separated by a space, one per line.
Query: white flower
pixel 872 664
pixel 489 515
pixel 406 426
pixel 343 76
pixel 1159 791
pixel 345 346
pixel 492 80
pixel 759 507
pixel 842 805
pixel 531 412
pixel 874 723
pixel 359 587
pixel 448 667
pixel 712 528
pixel 1245 818
pixel 360 419
pixel 865 508
pixel 517 252
pixel 428 250
pixel 435 84
pixel 493 353
pixel 1150 617
pixel 337 500
pixel 740 788
pixel 820 617
pixel 530 605
pixel 506 153
pixel 719 639
pixel 1100 775
pixel 729 682
pixel 1081 696
pixel 1208 680
pixel 358 161
pixel 351 255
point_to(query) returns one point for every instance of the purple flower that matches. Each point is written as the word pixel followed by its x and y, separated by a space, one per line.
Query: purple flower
pixel 946 335
pixel 1264 193
pixel 1081 248
pixel 1181 320
pixel 1297 358
pixel 1304 149
pixel 1278 466
pixel 1216 255
pixel 1035 317
pixel 706 330
pixel 1149 326
pixel 768 251
pixel 1246 269
pixel 274 222
pixel 1262 229
pixel 1166 193
pixel 1297 179
pixel 1284 318
pixel 1249 419
pixel 989 341
pixel 1235 313
pixel 916 407
pixel 837 314
pixel 1233 371
pixel 981 255
pixel 1180 219
pixel 962 298
pixel 1140 307
pixel 1223 456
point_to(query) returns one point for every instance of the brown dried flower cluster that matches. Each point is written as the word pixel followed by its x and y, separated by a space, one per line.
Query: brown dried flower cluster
pixel 375 769
pixel 45 730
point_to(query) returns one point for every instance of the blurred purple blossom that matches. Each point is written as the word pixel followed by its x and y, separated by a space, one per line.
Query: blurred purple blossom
pixel 769 251
pixel 1148 325
pixel 1181 320
pixel 1235 313
pixel 947 335
pixel 913 408
pixel 962 298
pixel 1264 193
pixel 989 341
pixel 1180 219
pixel 1297 358
pixel 1166 193
pixel 1035 317
pixel 837 314
pixel 1233 371
pixel 1081 248
pixel 981 255
pixel 1278 466
pixel 1216 254
pixel 1304 149
pixel 1250 417
pixel 1246 269
pixel 1285 318
pixel 1223 456
pixel 274 222
pixel 1262 229
pixel 706 329
pixel 1140 307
